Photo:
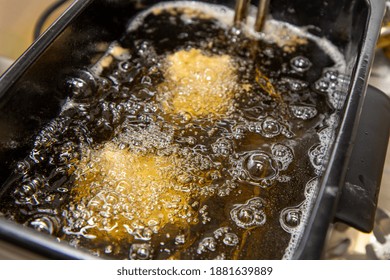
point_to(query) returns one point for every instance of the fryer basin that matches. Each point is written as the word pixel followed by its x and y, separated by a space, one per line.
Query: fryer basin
pixel 30 94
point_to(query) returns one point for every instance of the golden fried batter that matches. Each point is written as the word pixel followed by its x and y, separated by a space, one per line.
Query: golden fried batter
pixel 124 194
pixel 198 84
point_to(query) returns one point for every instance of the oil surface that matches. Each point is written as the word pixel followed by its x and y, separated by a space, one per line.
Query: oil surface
pixel 189 139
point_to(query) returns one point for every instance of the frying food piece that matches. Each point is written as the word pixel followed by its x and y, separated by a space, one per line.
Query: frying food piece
pixel 124 194
pixel 198 84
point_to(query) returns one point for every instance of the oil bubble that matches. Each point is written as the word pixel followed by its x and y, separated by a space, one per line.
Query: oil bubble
pixel 332 122
pixel 221 232
pixel 180 239
pixel 82 85
pixel 146 80
pixel 207 244
pixel 311 187
pixel 321 85
pixel 335 86
pixel 300 63
pixel 46 224
pixel 270 127
pixel 250 214
pixel 26 190
pixel 230 239
pixel 295 85
pixel 144 94
pixel 185 117
pixel 221 256
pixel 325 135
pixel 140 251
pixel 317 155
pixel 222 147
pixel 37 155
pixel 108 249
pixel 23 167
pixel 331 75
pixel 290 218
pixel 125 66
pixel 30 186
pixel 238 131
pixel 267 127
pixel 260 166
pixel 337 99
pixel 283 154
pixel 256 168
pixel 77 87
pixel 303 112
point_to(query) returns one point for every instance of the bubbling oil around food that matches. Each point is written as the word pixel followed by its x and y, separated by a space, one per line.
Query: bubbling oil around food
pixel 188 139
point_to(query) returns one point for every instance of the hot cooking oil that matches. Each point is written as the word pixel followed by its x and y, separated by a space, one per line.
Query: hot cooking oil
pixel 188 139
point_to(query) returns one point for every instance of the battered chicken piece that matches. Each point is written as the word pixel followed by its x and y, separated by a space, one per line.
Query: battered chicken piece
pixel 124 194
pixel 198 84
